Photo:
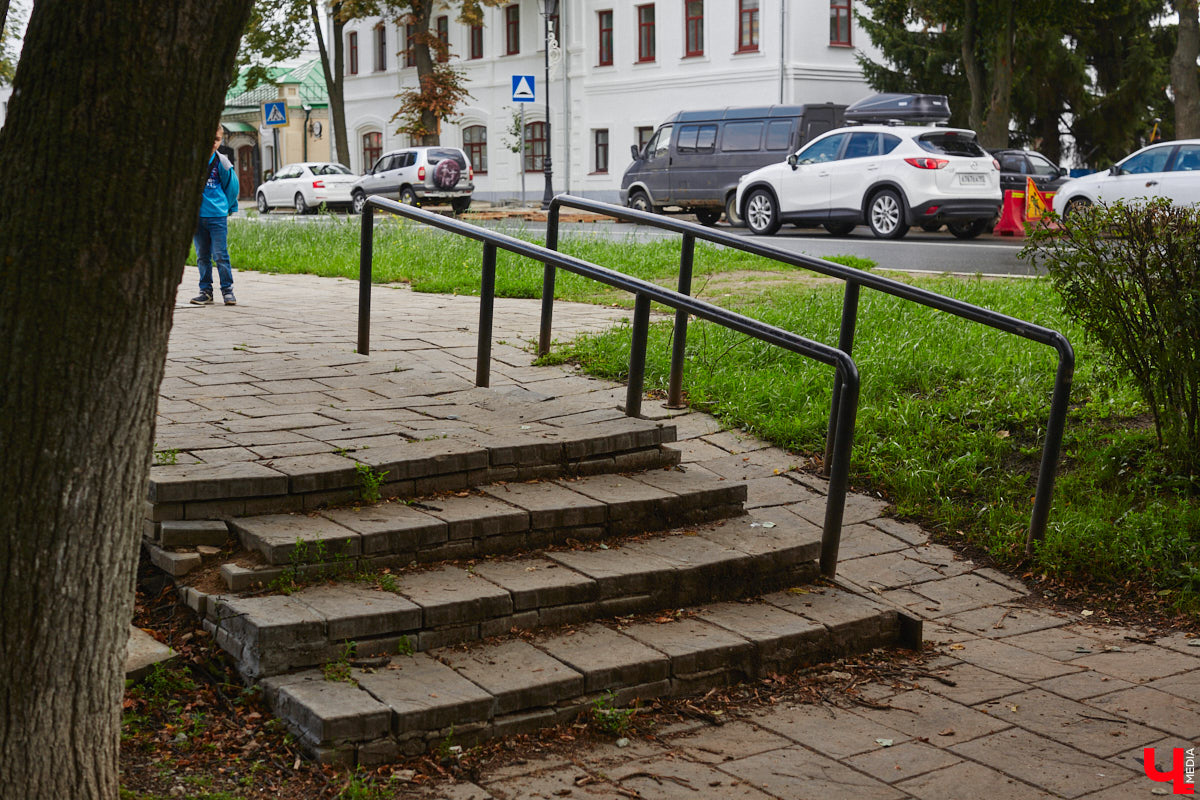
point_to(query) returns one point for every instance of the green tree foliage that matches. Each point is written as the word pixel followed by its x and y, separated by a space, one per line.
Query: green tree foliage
pixel 12 19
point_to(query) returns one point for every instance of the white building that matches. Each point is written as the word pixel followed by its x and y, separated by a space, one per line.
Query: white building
pixel 626 66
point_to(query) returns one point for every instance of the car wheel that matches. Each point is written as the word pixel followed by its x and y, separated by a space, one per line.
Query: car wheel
pixel 358 202
pixel 638 201
pixel 731 213
pixel 408 197
pixel 839 228
pixel 263 208
pixel 885 215
pixel 301 206
pixel 460 204
pixel 969 229
pixel 1076 205
pixel 762 216
pixel 707 216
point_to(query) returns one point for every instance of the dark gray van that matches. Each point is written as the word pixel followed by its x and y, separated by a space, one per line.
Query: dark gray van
pixel 693 161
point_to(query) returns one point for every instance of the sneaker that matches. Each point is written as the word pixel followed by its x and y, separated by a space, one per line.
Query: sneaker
pixel 202 299
pixel 228 297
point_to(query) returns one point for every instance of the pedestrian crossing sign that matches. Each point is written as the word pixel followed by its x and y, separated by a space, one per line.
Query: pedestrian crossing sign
pixel 275 114
pixel 522 88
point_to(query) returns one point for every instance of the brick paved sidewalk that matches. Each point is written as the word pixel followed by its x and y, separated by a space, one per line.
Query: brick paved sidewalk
pixel 1036 703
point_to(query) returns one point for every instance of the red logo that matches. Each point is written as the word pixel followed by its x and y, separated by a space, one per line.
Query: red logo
pixel 1183 769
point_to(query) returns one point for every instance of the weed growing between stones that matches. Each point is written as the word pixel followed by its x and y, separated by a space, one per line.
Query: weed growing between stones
pixel 339 670
pixel 608 717
pixel 405 647
pixel 166 457
pixel 315 554
pixel 369 481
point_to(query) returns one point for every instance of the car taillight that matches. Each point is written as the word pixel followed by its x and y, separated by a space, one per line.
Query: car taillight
pixel 420 173
pixel 996 164
pixel 318 184
pixel 928 163
pixel 470 173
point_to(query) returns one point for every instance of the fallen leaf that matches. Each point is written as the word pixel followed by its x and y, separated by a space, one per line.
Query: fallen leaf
pixel 947 732
pixel 884 742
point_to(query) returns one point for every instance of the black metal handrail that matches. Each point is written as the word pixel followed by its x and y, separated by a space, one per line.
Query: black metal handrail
pixel 846 373
pixel 854 280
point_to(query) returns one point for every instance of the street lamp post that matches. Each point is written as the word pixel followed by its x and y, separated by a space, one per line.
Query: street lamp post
pixel 550 11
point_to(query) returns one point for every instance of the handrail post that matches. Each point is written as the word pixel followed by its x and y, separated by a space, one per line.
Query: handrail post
pixel 487 299
pixel 846 345
pixel 548 277
pixel 839 475
pixel 365 253
pixel 1050 451
pixel 637 356
pixel 679 338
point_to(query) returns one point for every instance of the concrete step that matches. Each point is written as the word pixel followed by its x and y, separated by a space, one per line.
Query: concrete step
pixel 405 704
pixel 499 518
pixel 204 491
pixel 423 609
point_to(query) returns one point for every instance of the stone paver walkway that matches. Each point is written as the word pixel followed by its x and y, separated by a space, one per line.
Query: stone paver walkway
pixel 1035 703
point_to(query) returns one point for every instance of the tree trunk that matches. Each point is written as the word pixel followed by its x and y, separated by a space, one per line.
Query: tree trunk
pixel 421 13
pixel 334 78
pixel 1184 80
pixel 109 128
pixel 999 114
pixel 974 73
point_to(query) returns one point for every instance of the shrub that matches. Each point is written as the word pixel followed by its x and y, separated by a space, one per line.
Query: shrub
pixel 1131 275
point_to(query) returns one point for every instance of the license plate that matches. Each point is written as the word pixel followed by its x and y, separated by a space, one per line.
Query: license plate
pixel 972 178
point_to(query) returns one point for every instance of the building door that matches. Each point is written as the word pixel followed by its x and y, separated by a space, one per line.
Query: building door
pixel 246 172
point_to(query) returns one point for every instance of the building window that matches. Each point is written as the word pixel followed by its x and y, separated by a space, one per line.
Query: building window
pixel 476 41
pixel 380 48
pixel 693 14
pixel 512 30
pixel 645 22
pixel 372 149
pixel 410 52
pixel 643 135
pixel 353 48
pixel 839 22
pixel 605 44
pixel 475 143
pixel 747 25
pixel 600 148
pixel 443 35
pixel 535 146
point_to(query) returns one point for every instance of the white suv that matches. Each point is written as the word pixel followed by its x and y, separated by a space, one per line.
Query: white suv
pixel 417 175
pixel 889 176
pixel 1165 169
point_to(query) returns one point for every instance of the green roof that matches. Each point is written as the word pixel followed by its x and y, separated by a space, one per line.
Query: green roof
pixel 308 75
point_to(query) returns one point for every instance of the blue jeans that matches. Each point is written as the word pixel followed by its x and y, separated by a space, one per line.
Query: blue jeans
pixel 210 241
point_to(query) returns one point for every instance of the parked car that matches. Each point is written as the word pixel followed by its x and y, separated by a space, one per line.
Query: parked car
pixel 418 175
pixel 1016 166
pixel 693 161
pixel 1164 169
pixel 306 187
pixel 889 177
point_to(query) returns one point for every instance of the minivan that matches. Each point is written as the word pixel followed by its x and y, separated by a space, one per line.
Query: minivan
pixel 693 161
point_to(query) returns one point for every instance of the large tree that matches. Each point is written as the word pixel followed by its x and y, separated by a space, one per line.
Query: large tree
pixel 124 95
pixel 1184 79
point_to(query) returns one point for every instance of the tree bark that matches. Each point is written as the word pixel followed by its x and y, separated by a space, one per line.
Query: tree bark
pixel 994 133
pixel 974 73
pixel 334 78
pixel 1184 80
pixel 421 12
pixel 109 128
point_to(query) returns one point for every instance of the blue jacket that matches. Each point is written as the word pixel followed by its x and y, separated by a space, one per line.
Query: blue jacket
pixel 220 188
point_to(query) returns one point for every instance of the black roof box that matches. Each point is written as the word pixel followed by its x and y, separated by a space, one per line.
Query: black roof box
pixel 900 108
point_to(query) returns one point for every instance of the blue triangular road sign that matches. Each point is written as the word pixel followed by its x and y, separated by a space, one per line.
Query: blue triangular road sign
pixel 522 88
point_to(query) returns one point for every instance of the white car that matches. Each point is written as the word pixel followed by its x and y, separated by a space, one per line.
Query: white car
pixel 306 186
pixel 1164 169
pixel 889 177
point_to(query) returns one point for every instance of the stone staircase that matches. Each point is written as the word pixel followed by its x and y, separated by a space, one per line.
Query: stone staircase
pixel 503 582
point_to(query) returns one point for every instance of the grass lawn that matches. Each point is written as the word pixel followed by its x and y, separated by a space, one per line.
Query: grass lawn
pixel 951 416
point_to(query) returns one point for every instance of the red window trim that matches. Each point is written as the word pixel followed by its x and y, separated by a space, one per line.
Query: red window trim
pixel 688 19
pixel 476 39
pixel 442 23
pixel 535 161
pixel 643 28
pixel 410 55
pixel 380 43
pixel 596 147
pixel 747 15
pixel 512 30
pixel 479 159
pixel 604 54
pixel 353 48
pixel 843 6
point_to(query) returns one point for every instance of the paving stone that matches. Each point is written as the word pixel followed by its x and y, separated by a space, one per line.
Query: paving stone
pixel 782 640
pixel 888 571
pixel 970 684
pixel 317 473
pixel 1140 663
pixel 695 646
pixel 476 517
pixel 353 612
pixel 738 739
pixel 170 562
pixel 390 527
pixel 191 482
pixel 1080 685
pixel 142 652
pixel 789 542
pixel 617 573
pixel 452 596
pixel 1005 620
pixel 426 695
pixel 1025 755
pixel 832 731
pixel 1185 685
pixel 968 779
pixel 1153 708
pixel 283 538
pixel 866 540
pixel 1007 659
pixel 329 711
pixel 605 658
pixel 424 459
pixel 703 569
pixel 693 496
pixel 189 533
pixel 677 779
pixel 902 761
pixel 536 583
pixel 799 772
pixel 1083 727
pixel 625 498
pixel 964 592
pixel 904 531
pixel 943 722
pixel 271 621
pixel 854 623
pixel 1058 643
pixel 516 673
pixel 550 505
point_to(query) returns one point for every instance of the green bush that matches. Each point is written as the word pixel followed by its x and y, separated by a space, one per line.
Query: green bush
pixel 1131 275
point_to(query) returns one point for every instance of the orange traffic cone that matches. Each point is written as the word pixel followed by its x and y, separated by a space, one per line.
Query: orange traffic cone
pixel 1012 215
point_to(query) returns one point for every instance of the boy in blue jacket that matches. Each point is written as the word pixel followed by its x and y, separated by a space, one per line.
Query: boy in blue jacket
pixel 212 230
